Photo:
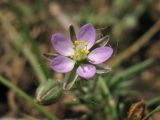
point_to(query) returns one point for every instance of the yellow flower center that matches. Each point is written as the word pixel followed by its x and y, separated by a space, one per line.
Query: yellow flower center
pixel 81 51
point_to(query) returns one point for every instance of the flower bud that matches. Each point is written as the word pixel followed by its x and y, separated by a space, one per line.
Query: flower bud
pixel 49 92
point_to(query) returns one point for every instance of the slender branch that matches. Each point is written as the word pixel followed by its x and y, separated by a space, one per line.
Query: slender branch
pixel 19 92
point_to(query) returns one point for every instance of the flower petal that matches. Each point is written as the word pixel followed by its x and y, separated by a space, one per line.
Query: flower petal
pixel 87 33
pixel 62 64
pixel 62 44
pixel 100 55
pixel 86 71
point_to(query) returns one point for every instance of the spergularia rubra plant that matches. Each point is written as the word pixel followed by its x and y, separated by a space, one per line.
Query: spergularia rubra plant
pixel 76 57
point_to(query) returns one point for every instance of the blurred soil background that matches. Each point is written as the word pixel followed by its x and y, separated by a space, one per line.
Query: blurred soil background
pixel 29 24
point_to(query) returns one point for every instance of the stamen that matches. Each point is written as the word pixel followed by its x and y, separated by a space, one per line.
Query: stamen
pixel 85 44
pixel 86 51
pixel 80 50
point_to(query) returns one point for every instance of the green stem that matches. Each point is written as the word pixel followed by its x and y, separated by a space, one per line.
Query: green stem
pixel 69 79
pixel 70 85
pixel 157 109
pixel 130 71
pixel 34 63
pixel 111 102
pixel 66 78
pixel 18 91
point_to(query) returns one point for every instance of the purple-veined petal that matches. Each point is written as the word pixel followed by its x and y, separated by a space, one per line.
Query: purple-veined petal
pixel 87 33
pixel 86 71
pixel 62 64
pixel 100 55
pixel 62 44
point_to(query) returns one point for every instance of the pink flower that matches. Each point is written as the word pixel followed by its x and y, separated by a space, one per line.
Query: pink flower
pixel 79 52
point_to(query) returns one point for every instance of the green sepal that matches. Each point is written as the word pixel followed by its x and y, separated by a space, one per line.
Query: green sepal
pixel 49 92
pixel 72 33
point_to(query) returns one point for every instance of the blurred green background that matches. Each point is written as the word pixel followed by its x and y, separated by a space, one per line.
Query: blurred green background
pixel 26 27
